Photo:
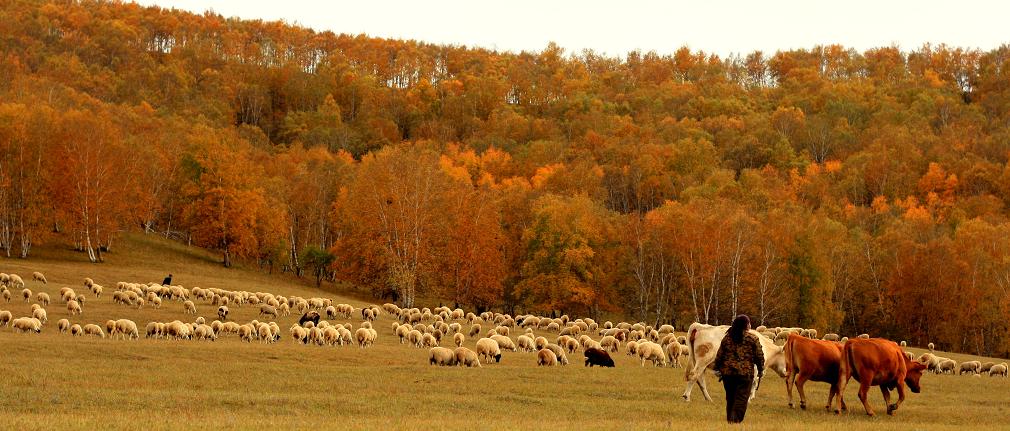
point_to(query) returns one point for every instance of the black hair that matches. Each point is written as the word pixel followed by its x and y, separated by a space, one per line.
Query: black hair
pixel 739 327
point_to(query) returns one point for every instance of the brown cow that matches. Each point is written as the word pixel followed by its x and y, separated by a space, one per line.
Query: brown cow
pixel 877 362
pixel 816 360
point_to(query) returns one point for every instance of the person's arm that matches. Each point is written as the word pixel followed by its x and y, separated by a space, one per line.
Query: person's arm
pixel 759 357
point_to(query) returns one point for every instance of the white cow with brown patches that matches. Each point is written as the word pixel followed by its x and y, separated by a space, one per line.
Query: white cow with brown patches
pixel 704 341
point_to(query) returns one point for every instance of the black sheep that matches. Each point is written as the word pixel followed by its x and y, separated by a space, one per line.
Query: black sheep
pixel 311 316
pixel 599 357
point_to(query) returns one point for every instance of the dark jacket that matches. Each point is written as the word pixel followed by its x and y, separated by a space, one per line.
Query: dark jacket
pixel 739 359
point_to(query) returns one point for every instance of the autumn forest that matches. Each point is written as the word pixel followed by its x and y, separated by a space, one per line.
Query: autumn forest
pixel 847 191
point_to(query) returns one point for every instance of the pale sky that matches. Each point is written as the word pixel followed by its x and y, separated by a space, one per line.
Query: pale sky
pixel 616 27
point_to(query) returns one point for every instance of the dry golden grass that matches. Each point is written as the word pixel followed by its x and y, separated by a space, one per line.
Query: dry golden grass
pixel 54 381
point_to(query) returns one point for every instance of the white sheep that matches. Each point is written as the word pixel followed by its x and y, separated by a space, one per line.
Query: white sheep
pixel 40 313
pixel 76 330
pixel 27 295
pixel 526 343
pixel 73 307
pixel 7 295
pixel 37 276
pixel 5 317
pixel 92 329
pixel 546 358
pixel 189 307
pixel 16 282
pixel 42 298
pixel 488 348
pixel 504 342
pixel 27 324
pixel 63 325
pixel 466 358
pixel 441 356
pixel 458 338
pixel 127 329
pixel 998 370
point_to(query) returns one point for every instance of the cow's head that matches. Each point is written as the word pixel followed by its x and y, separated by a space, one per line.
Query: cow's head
pixel 913 374
pixel 775 358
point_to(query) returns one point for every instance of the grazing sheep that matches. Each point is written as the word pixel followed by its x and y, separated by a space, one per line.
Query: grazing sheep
pixel 40 313
pixel 831 337
pixel 540 343
pixel 366 336
pixel 76 330
pixel 127 329
pixel 973 367
pixel 488 348
pixel 864 336
pixel 63 325
pixel 5 317
pixel 16 282
pixel 610 343
pixel 998 370
pixel 88 283
pixel 649 351
pixel 27 324
pixel 474 330
pixel 93 329
pixel 310 316
pixel 525 343
pixel 504 342
pixel 458 338
pixel 222 312
pixel 632 347
pixel 673 353
pixel 189 307
pixel 947 365
pixel 598 357
pixel 265 333
pixel 414 337
pixel 441 356
pixel 27 295
pixel 37 276
pixel 97 290
pixel 428 340
pixel 73 307
pixel 987 366
pixel 42 298
pixel 546 358
pixel 466 357
pixel 7 295
pixel 151 331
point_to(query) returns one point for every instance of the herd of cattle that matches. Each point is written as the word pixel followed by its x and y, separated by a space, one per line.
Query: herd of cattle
pixel 800 358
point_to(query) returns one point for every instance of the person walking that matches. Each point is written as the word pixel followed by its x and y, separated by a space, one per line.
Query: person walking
pixel 167 281
pixel 738 354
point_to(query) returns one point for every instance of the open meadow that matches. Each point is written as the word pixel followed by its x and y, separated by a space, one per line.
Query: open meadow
pixel 55 381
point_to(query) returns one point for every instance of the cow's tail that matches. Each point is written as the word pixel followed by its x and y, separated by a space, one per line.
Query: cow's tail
pixel 790 350
pixel 691 359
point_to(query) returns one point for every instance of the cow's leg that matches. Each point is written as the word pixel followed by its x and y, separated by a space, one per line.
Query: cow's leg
pixel 790 376
pixel 901 398
pixel 864 389
pixel 887 397
pixel 691 377
pixel 704 386
pixel 799 389
pixel 843 379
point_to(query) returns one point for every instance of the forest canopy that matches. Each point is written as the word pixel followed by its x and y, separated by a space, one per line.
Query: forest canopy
pixel 847 191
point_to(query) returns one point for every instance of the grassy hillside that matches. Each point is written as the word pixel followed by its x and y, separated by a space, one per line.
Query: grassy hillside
pixel 54 381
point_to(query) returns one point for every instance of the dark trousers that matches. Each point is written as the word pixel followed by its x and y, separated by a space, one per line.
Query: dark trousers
pixel 737 394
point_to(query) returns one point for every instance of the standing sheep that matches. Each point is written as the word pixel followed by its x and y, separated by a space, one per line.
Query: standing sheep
pixel 189 307
pixel 7 295
pixel 127 329
pixel 441 356
pixel 466 357
pixel 488 348
pixel 27 295
pixel 5 317
pixel 40 313
pixel 42 298
pixel 458 338
pixel 73 307
pixel 546 358
pixel 92 329
pixel 598 357
pixel 37 276
pixel 16 282
pixel 998 370
pixel 222 312
pixel 63 325
pixel 76 330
